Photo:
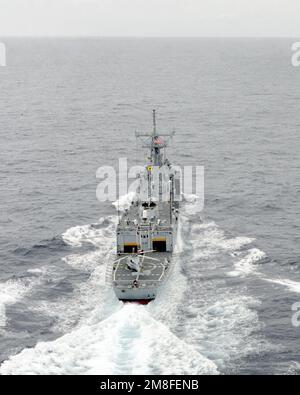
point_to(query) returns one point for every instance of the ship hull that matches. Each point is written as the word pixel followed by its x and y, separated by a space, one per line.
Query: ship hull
pixel 140 301
pixel 135 294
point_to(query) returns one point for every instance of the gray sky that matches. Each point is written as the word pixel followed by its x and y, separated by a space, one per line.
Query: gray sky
pixel 150 17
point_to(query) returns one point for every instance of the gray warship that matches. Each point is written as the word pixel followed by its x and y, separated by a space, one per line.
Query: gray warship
pixel 147 230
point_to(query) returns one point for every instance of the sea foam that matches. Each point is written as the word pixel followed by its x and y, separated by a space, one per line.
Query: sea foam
pixel 11 292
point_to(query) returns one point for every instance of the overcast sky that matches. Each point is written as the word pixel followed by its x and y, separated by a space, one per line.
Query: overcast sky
pixel 150 17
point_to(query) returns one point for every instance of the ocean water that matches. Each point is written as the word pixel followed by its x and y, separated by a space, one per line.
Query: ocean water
pixel 69 106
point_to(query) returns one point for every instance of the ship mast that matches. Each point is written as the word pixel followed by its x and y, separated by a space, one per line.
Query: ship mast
pixel 156 143
pixel 154 123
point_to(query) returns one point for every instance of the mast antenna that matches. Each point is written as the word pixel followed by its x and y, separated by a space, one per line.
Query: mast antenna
pixel 154 122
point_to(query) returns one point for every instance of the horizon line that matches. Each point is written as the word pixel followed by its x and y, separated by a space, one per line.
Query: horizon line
pixel 145 37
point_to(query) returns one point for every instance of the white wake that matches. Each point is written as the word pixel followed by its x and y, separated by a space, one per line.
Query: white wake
pixel 10 293
pixel 195 326
pixel 128 342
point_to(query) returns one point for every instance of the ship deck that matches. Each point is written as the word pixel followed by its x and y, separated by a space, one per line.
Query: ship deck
pixel 154 267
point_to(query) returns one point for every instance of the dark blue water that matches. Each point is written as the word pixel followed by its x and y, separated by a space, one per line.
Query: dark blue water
pixel 70 106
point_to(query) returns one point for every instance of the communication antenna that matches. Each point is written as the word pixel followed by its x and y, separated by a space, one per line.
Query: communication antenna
pixel 154 122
